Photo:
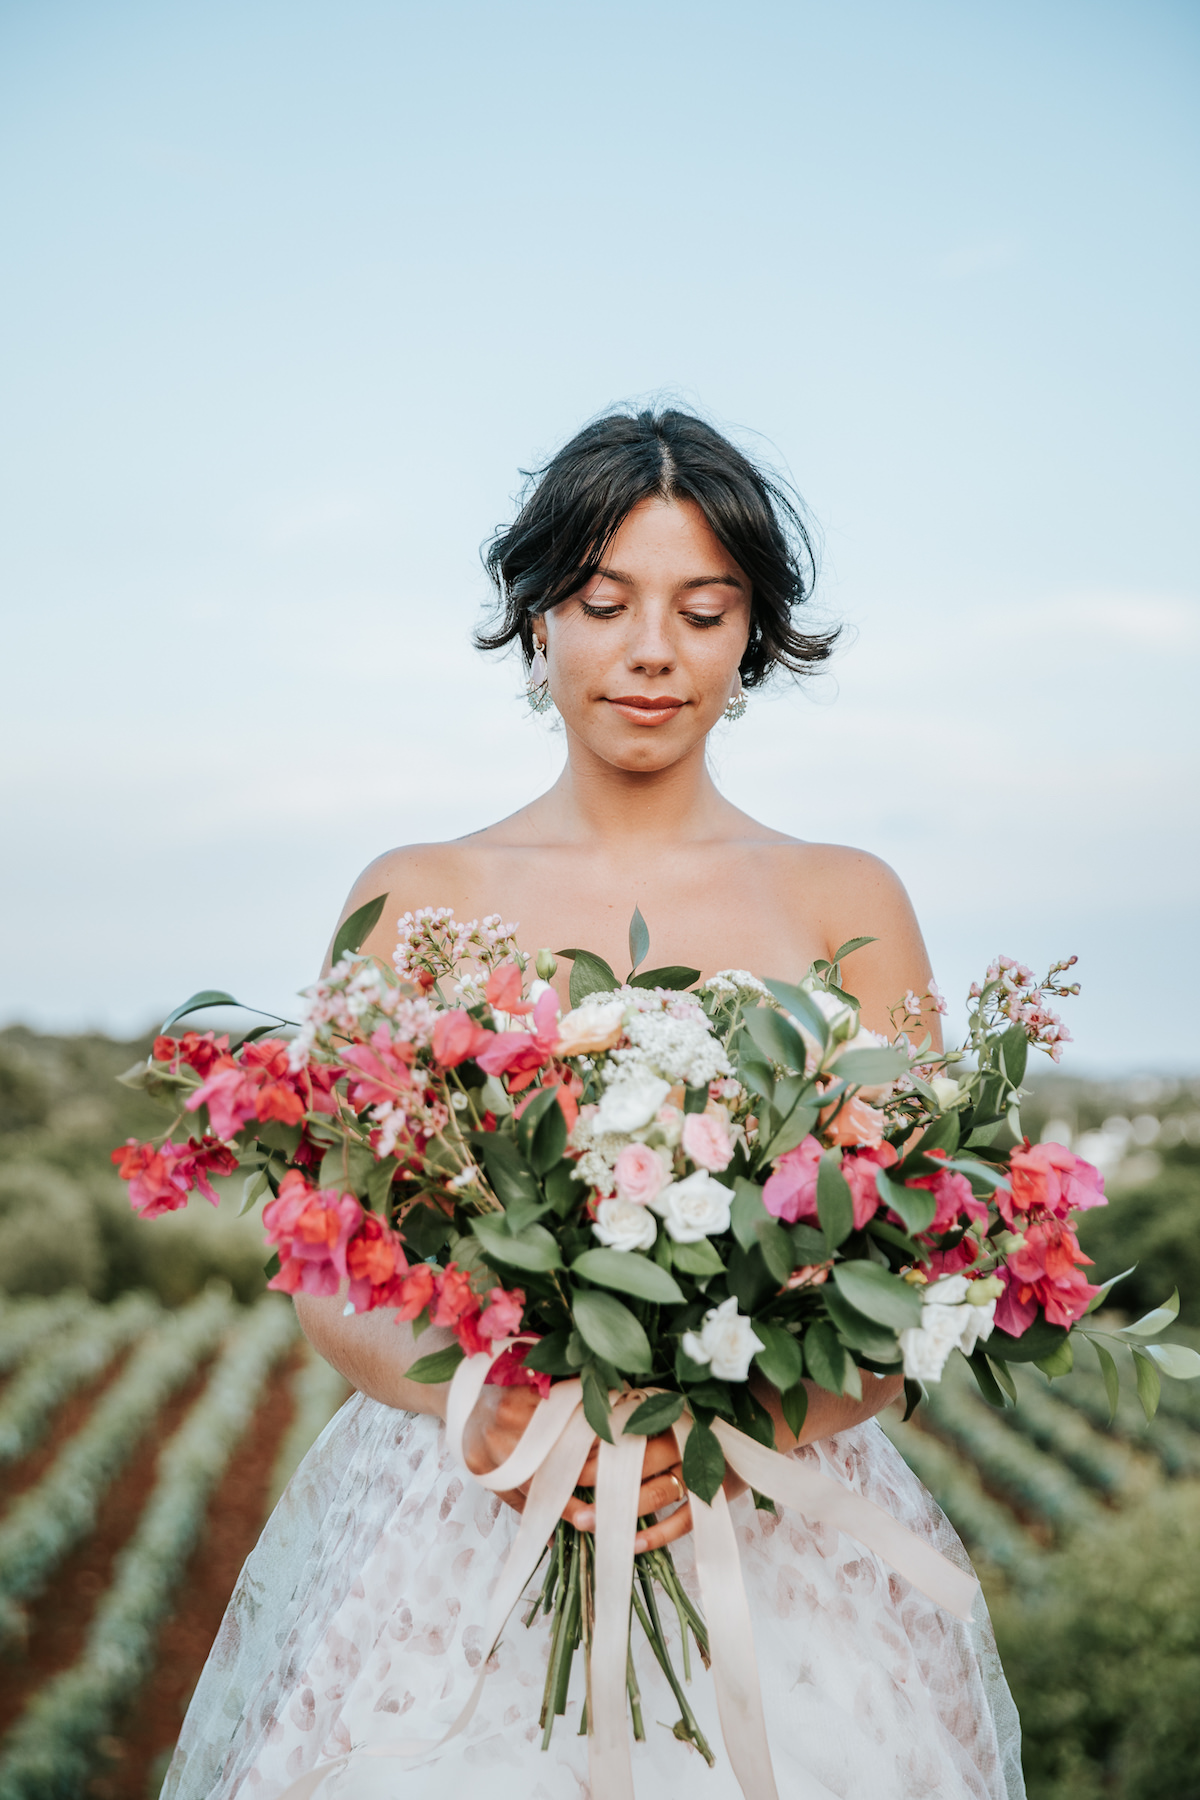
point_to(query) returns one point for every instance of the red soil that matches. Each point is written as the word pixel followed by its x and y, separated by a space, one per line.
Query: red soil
pixel 66 1422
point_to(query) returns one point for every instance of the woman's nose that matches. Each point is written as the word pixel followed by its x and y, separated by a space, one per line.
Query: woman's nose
pixel 650 648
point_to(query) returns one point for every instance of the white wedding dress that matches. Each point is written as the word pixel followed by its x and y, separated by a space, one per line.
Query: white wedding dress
pixel 358 1620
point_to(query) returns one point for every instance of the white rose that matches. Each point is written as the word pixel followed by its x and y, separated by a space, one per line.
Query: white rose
pixel 694 1208
pixel 949 1322
pixel 622 1226
pixel 945 1091
pixel 726 1341
pixel 594 1026
pixel 631 1101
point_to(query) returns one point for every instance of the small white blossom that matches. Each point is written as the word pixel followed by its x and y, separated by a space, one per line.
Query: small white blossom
pixel 726 1341
pixel 948 1322
pixel 632 1100
pixel 694 1208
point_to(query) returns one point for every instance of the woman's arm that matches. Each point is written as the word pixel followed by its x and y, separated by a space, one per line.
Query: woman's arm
pixel 373 1352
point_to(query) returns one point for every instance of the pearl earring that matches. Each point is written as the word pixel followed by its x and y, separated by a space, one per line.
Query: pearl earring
pixel 537 688
pixel 735 706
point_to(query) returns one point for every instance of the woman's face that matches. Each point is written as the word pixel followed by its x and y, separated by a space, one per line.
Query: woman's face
pixel 644 658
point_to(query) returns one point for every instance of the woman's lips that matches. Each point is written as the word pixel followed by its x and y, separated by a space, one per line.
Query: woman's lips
pixel 647 709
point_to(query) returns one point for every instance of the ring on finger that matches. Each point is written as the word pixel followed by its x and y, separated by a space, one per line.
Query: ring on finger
pixel 680 1489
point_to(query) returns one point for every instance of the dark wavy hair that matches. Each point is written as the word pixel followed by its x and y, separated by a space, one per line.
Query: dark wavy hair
pixel 572 507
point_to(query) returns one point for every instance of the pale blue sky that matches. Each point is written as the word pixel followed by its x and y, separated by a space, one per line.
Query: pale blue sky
pixel 290 291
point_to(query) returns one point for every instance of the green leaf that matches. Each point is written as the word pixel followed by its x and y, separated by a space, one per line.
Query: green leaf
pixel 851 1379
pixel 253 1188
pixel 379 1184
pixel 852 944
pixel 699 1259
pixel 892 1234
pixel 778 1040
pixel 753 1072
pixel 794 1405
pixel 549 1355
pixel 824 1357
pixel 654 1415
pixel 942 1134
pixel 639 940
pixel 197 1003
pixel 359 926
pixel 803 1007
pixel 533 1249
pixel 1112 1380
pixel 749 1282
pixel 630 1273
pixel 793 1130
pixel 347 1168
pixel 674 976
pixel 589 975
pixel 597 1408
pixel 1003 1375
pixel 550 1138
pixel 1097 1300
pixel 985 1376
pixel 439 1366
pixel 1040 1340
pixel 695 1099
pixel 776 1246
pixel 878 1294
pixel 916 1206
pixel 1060 1361
pixel 714 1395
pixel 1012 1053
pixel 1175 1360
pixel 875 1341
pixel 688 1372
pixel 562 1189
pixel 864 1067
pixel 1151 1323
pixel 610 1329
pixel 780 1359
pixel 835 1207
pixel 510 1175
pixel 703 1463
pixel 1149 1387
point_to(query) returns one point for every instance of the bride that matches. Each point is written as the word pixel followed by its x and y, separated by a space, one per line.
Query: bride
pixel 652 575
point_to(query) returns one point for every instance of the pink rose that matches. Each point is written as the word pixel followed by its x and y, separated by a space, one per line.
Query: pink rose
pixel 791 1189
pixel 706 1140
pixel 639 1174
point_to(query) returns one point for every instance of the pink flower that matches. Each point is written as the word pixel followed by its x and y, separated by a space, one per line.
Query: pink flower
pixel 505 990
pixel 859 1168
pixel 952 1193
pixel 375 1261
pixel 639 1174
pixel 161 1179
pixel 523 1052
pixel 455 1296
pixel 508 1370
pixel 1046 1270
pixel 456 1037
pixel 231 1096
pixel 706 1140
pixel 311 1229
pixel 1048 1178
pixel 416 1291
pixel 854 1122
pixel 384 1070
pixel 503 1314
pixel 790 1191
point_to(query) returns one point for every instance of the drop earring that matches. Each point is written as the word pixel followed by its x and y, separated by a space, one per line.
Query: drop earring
pixel 735 706
pixel 537 689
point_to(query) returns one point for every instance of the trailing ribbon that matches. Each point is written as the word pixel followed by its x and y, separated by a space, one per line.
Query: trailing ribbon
pixel 552 1450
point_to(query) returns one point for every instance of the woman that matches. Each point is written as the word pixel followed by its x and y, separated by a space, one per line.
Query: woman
pixel 652 575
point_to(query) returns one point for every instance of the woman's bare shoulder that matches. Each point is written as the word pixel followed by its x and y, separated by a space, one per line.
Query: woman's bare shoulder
pixel 408 876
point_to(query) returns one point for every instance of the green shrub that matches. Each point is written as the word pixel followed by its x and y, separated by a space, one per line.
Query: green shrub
pixel 1158 1227
pixel 1104 1659
pixel 49 1234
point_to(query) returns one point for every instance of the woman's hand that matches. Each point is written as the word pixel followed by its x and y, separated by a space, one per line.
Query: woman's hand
pixel 495 1428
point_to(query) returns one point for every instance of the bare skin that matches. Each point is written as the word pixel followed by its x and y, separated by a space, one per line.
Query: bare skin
pixel 642 663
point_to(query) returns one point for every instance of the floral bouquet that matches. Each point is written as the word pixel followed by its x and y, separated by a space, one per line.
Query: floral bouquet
pixel 670 1187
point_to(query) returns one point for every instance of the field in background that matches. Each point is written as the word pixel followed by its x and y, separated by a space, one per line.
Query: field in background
pixel 153 1400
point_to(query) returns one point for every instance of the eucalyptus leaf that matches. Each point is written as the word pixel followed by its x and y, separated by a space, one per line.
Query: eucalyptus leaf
pixel 597 1408
pixel 439 1366
pixel 703 1463
pixel 589 975
pixel 675 976
pixel 533 1249
pixel 800 1003
pixel 1149 1387
pixel 851 945
pixel 835 1206
pixel 611 1331
pixel 654 1415
pixel 699 1259
pixel 915 1206
pixel 874 1341
pixel 862 1067
pixel 1112 1380
pixel 824 1357
pixel 639 940
pixel 358 927
pixel 197 1003
pixel 629 1273
pixel 1151 1323
pixel 1175 1360
pixel 878 1294
pixel 781 1358
pixel 776 1037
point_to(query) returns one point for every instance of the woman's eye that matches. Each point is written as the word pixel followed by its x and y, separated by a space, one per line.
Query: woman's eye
pixel 599 612
pixel 704 620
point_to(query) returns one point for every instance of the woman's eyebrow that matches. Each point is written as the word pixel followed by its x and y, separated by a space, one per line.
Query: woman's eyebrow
pixel 697 581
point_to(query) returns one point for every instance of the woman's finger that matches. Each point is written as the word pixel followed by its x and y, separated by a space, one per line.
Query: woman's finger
pixel 665 1531
pixel 661 1490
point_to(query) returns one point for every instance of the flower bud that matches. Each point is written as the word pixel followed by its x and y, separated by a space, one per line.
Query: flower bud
pixel 546 965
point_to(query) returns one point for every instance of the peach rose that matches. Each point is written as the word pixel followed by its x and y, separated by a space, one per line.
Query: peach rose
pixel 855 1123
pixel 596 1025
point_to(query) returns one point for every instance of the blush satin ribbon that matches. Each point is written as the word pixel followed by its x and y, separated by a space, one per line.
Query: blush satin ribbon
pixel 551 1452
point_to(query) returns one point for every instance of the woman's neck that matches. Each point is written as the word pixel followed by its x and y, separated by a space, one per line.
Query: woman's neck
pixel 593 802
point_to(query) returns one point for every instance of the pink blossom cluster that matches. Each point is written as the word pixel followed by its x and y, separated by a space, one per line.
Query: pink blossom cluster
pixel 162 1177
pixel 1020 998
pixel 432 942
